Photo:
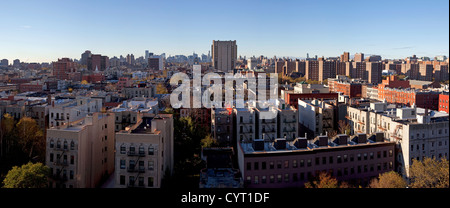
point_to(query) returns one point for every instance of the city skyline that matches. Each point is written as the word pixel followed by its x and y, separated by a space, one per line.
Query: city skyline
pixel 47 30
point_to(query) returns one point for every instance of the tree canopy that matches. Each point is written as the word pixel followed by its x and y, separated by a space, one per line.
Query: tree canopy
pixel 27 176
pixel 429 173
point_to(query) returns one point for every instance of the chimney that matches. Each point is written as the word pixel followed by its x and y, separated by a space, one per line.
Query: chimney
pixel 49 99
pixel 322 141
pixel 301 143
pixel 341 139
pixel 362 138
pixel 379 137
pixel 280 144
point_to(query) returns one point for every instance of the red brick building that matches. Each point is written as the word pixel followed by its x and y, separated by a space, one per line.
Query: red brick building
pixel 347 88
pixel 63 67
pixel 30 87
pixel 443 102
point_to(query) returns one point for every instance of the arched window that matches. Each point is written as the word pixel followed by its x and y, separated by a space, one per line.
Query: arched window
pixel 52 143
pixel 65 145
pixel 58 144
pixel 72 145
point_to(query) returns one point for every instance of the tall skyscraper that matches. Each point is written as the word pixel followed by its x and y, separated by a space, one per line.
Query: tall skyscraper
pixel 84 57
pixel 374 70
pixel 345 57
pixel 224 55
pixel 359 57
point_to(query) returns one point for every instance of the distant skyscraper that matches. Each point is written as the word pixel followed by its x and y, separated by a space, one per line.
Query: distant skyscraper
pixel 345 57
pixel 224 55
pixel 16 63
pixel 374 70
pixel 84 57
pixel 359 57
pixel 97 61
pixel 130 59
pixel 146 55
pixel 4 62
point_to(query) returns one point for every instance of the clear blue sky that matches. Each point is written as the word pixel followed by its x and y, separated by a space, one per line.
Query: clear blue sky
pixel 44 30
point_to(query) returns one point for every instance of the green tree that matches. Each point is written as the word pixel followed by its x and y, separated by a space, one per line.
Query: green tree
pixel 208 141
pixel 388 180
pixel 429 173
pixel 31 138
pixel 27 176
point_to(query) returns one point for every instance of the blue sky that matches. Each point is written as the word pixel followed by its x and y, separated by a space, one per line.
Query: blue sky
pixel 44 30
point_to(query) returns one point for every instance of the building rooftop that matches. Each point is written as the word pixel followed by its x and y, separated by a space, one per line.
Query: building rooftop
pixel 301 144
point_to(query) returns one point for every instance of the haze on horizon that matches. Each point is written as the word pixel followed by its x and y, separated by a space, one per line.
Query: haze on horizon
pixel 43 31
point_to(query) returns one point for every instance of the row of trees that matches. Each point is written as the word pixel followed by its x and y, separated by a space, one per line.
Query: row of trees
pixel 429 173
pixel 21 141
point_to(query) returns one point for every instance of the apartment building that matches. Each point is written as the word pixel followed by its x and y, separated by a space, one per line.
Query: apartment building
pixel 132 92
pixel 222 126
pixel 244 124
pixel 316 117
pixel 131 111
pixel 144 153
pixel 345 85
pixel 266 128
pixel 418 132
pixel 287 121
pixel 63 111
pixel 284 164
pixel 80 154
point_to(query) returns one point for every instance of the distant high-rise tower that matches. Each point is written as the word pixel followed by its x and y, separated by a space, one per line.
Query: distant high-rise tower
pixel 224 55
pixel 359 57
pixel 345 57
pixel 84 57
pixel 62 68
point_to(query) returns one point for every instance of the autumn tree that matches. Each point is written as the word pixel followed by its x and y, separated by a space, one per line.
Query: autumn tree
pixel 208 141
pixel 31 138
pixel 344 127
pixel 429 173
pixel 388 180
pixel 324 180
pixel 7 137
pixel 27 176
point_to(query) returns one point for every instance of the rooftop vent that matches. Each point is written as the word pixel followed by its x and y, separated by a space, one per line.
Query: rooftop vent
pixel 341 139
pixel 379 137
pixel 258 144
pixel 321 141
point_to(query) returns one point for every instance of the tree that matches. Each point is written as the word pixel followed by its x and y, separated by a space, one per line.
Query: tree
pixel 31 138
pixel 27 176
pixel 429 173
pixel 160 89
pixel 7 134
pixel 388 180
pixel 208 141
pixel 344 127
pixel 325 180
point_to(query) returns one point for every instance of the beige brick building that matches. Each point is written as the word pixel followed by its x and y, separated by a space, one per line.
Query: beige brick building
pixel 144 153
pixel 81 153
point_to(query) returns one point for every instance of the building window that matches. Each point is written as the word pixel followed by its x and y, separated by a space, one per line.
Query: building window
pixel 263 165
pixel 286 164
pixel 123 150
pixel 279 165
pixel 365 156
pixel 72 159
pixel 279 179
pixel 256 165
pixel 309 163
pixel 141 150
pixel 286 177
pixel 371 155
pixel 151 150
pixel 345 158
pixel 272 178
pixel 249 180
pixel 150 181
pixel 331 159
pixel 131 180
pixel 294 163
pixel 302 163
pixel 256 180
pixel 51 157
pixel 263 179
pixel 339 159
pixel 58 144
pixel 71 174
pixel 65 145
pixel 317 160
pixel 122 164
pixel 151 165
pixel 122 180
pixel 271 165
pixel 52 143
pixel 72 145
pixel 391 153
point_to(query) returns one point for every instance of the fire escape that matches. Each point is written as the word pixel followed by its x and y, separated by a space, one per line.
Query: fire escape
pixel 60 165
pixel 132 167
pixel 267 129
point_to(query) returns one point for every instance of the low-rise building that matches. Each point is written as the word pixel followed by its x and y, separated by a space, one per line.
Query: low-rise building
pixel 144 152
